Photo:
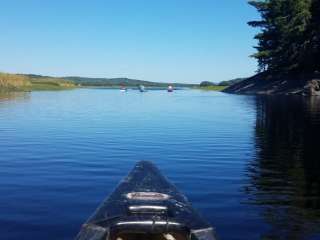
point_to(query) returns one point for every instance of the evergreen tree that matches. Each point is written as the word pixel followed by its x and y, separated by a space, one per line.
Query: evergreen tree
pixel 284 40
pixel 313 49
pixel 265 37
pixel 294 40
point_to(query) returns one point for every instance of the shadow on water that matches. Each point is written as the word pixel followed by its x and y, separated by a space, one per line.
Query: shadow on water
pixel 284 179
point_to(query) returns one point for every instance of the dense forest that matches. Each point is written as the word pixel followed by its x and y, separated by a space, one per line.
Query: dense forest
pixel 289 40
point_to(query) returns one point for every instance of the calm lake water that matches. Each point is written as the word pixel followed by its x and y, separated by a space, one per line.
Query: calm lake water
pixel 249 164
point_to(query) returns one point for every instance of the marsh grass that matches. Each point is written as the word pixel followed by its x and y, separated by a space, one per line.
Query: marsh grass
pixel 16 82
pixel 13 82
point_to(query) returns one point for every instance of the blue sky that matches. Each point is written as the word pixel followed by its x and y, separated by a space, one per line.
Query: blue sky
pixel 157 40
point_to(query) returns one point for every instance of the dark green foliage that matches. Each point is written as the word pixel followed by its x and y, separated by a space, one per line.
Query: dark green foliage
pixel 107 82
pixel 85 81
pixel 223 83
pixel 207 84
pixel 313 47
pixel 289 37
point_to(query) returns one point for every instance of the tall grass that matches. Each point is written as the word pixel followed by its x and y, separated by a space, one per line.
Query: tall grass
pixel 13 81
pixel 18 82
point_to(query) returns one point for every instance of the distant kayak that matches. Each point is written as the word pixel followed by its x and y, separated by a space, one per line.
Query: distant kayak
pixel 123 89
pixel 146 206
pixel 170 88
pixel 142 88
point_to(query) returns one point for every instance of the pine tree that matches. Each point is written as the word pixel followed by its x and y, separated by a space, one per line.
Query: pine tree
pixel 294 36
pixel 283 40
pixel 270 38
pixel 313 49
pixel 265 38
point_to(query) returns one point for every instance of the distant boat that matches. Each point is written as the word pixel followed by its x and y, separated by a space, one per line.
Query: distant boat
pixel 146 206
pixel 170 88
pixel 142 88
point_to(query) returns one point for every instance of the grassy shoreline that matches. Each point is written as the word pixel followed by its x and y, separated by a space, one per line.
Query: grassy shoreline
pixel 29 82
pixel 32 82
pixel 17 82
pixel 23 83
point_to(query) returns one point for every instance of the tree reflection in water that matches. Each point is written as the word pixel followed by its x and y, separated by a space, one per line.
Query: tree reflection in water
pixel 284 179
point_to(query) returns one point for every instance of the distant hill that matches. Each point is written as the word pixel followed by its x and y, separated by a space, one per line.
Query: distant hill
pixel 86 81
pixel 41 82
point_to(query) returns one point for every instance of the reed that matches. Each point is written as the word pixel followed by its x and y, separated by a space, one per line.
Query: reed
pixel 18 82
pixel 13 81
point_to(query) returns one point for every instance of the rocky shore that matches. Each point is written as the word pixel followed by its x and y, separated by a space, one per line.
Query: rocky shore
pixel 266 84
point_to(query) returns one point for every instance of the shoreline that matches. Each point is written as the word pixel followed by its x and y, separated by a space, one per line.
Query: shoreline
pixel 31 82
pixel 266 84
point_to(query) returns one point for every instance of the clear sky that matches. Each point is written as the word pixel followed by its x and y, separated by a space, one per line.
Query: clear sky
pixel 157 40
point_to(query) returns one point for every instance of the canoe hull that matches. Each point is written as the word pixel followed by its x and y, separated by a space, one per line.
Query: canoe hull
pixel 145 202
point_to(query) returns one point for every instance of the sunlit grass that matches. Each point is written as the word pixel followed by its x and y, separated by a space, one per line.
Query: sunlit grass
pixel 15 82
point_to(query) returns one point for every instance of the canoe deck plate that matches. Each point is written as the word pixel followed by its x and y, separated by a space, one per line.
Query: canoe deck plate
pixel 147 196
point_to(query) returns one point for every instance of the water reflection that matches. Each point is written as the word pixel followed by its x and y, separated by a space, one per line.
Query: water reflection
pixel 9 96
pixel 284 177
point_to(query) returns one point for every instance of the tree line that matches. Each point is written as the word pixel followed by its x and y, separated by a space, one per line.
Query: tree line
pixel 289 36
